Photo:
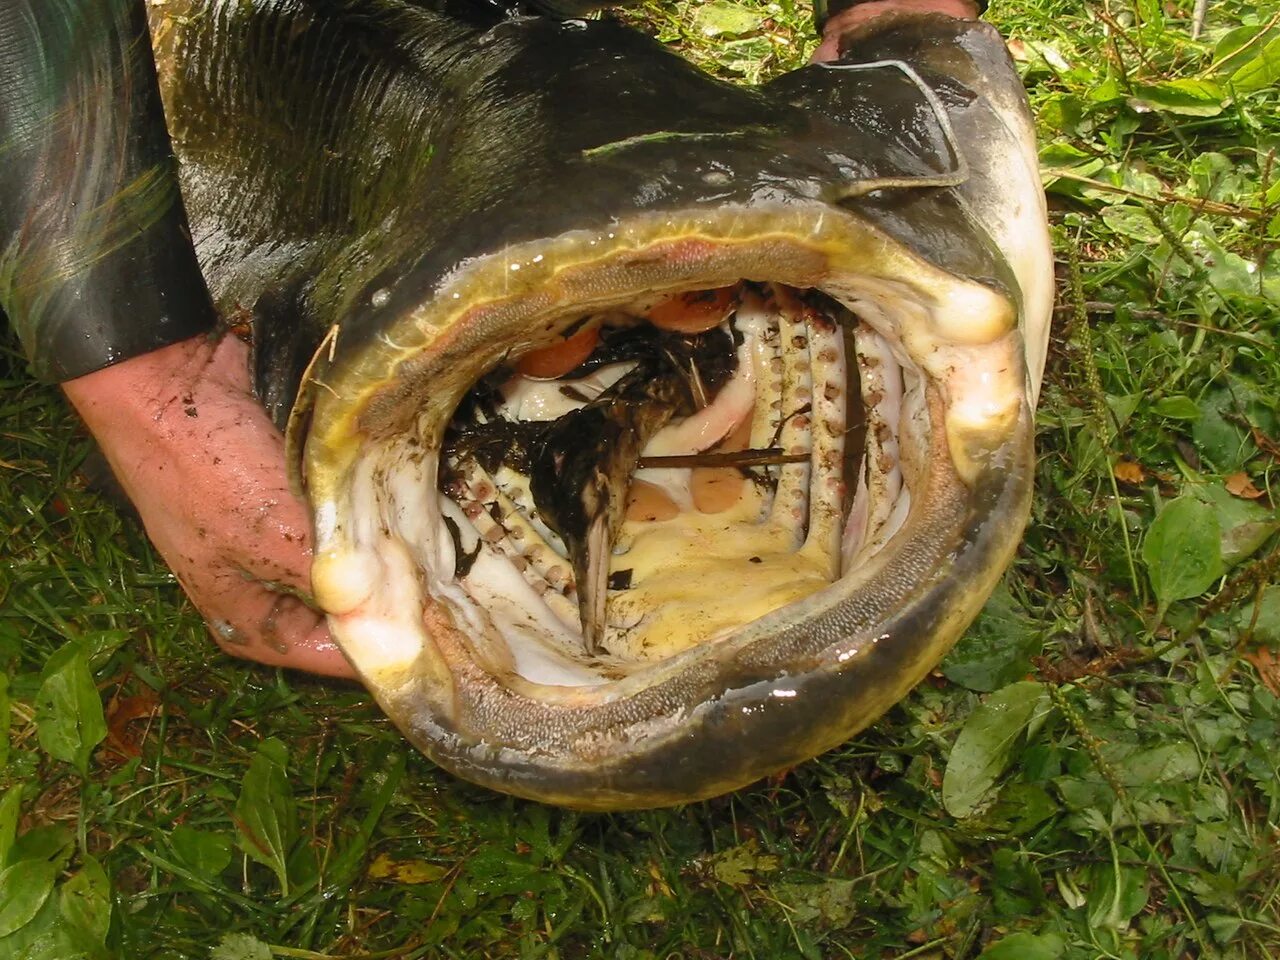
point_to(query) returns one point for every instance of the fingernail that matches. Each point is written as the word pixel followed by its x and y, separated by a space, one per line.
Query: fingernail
pixel 227 633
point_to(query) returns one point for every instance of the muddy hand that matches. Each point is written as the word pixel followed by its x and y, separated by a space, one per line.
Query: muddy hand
pixel 846 20
pixel 205 468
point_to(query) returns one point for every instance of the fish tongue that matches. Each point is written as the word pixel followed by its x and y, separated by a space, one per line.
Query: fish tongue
pixel 581 474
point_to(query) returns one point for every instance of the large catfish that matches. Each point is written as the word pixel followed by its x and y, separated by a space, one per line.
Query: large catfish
pixel 791 451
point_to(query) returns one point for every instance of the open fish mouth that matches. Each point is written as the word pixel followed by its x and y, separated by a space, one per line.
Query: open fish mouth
pixel 694 558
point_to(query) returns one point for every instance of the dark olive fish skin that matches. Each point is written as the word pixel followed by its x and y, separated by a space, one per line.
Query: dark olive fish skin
pixel 382 144
pixel 344 160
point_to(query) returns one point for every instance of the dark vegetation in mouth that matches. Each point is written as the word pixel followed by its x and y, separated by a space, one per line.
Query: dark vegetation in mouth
pixel 670 371
pixel 561 455
pixel 581 461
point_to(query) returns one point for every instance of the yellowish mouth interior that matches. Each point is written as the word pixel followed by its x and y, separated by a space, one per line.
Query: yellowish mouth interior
pixel 834 344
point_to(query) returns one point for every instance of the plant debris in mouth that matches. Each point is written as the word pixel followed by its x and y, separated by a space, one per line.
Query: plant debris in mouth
pixel 550 469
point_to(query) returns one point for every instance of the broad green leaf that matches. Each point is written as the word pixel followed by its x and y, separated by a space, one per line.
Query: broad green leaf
pixel 498 871
pixel 1185 97
pixel 1217 177
pixel 1228 272
pixel 24 887
pixel 1061 154
pixel 1165 763
pixel 1217 433
pixel 1020 807
pixel 406 871
pixel 206 853
pixel 1132 222
pixel 1106 91
pixel 724 17
pixel 830 903
pixel 1245 525
pixel 739 865
pixel 1240 45
pixel 1182 551
pixel 1116 894
pixel 1026 946
pixel 241 946
pixel 1176 408
pixel 1061 113
pixel 1266 625
pixel 10 808
pixel 265 814
pixel 51 842
pixel 1224 927
pixel 1260 73
pixel 1138 181
pixel 997 649
pixel 85 901
pixel 985 746
pixel 1017 889
pixel 47 936
pixel 69 719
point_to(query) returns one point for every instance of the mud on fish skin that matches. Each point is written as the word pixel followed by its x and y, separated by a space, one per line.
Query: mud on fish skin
pixel 410 201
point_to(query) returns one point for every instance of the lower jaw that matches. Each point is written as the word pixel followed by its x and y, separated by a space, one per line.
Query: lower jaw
pixel 748 694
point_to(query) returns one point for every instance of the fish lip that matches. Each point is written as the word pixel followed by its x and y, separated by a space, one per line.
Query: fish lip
pixel 671 749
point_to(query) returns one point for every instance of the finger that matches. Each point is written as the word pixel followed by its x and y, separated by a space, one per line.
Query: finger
pixel 279 630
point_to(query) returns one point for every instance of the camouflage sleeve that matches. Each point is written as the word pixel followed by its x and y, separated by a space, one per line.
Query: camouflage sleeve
pixel 96 262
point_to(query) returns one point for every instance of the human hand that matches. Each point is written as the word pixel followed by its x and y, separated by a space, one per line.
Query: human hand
pixel 845 21
pixel 205 468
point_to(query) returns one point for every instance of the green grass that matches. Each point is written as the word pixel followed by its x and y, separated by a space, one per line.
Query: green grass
pixel 1094 773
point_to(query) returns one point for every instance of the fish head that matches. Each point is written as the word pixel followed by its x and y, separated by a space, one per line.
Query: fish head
pixel 880 226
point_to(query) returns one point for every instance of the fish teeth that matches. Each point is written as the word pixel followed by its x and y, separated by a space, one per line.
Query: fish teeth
pixel 796 366
pixel 791 496
pixel 880 482
pixel 512 535
pixel 829 375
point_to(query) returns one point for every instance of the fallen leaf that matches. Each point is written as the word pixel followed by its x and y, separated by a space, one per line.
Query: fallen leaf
pixel 405 871
pixel 1239 485
pixel 739 865
pixel 121 713
pixel 1130 471
pixel 1267 662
